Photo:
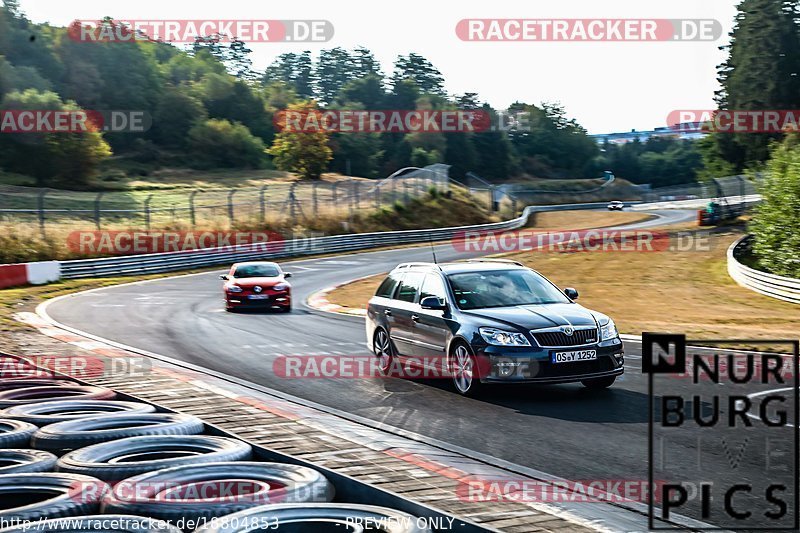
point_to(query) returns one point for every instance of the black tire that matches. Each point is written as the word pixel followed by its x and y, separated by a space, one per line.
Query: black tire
pixel 247 482
pixel 97 524
pixel 52 393
pixel 15 433
pixel 43 413
pixel 317 517
pixel 599 383
pixel 384 350
pixel 120 459
pixel 36 496
pixel 9 384
pixel 74 434
pixel 464 370
pixel 26 461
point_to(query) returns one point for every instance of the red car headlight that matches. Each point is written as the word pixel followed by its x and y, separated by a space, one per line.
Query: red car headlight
pixel 234 288
pixel 281 287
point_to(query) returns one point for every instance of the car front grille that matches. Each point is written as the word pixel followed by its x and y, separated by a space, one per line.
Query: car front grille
pixel 559 338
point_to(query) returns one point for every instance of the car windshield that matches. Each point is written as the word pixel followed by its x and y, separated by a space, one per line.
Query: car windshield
pixel 256 271
pixel 503 288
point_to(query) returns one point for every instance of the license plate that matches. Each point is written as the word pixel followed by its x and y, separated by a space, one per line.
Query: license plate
pixel 259 297
pixel 569 357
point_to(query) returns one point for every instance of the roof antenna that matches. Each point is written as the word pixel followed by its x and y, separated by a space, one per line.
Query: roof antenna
pixel 433 250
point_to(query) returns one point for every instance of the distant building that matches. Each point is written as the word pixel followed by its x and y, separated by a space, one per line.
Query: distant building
pixel 683 131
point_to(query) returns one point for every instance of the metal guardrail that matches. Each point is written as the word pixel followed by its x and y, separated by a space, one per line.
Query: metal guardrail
pixel 185 260
pixel 780 287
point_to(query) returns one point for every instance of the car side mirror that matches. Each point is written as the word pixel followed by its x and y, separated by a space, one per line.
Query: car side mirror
pixel 571 293
pixel 433 303
pixel 287 274
pixel 224 276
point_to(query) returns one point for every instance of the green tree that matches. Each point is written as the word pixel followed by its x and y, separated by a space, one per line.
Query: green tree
pixel 776 223
pixel 176 114
pixel 416 68
pixel 304 152
pixel 762 72
pixel 66 160
pixel 220 143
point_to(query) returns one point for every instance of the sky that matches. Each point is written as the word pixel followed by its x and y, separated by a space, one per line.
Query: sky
pixel 606 86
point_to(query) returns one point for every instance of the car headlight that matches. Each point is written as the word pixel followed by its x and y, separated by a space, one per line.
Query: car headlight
pixel 281 287
pixel 498 337
pixel 234 288
pixel 608 331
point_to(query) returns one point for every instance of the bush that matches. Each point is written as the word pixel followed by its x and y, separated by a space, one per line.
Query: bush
pixel 220 143
pixel 776 223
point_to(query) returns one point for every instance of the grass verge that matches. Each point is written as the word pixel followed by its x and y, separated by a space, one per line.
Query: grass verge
pixel 680 292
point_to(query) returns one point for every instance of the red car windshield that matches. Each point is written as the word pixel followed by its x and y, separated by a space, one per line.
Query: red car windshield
pixel 256 271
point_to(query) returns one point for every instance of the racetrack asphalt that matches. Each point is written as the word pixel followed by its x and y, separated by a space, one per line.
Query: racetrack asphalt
pixel 565 430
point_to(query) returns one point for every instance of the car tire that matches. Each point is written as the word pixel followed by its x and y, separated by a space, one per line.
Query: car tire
pixel 15 433
pixel 73 434
pixel 342 515
pixel 12 397
pixel 463 367
pixel 95 524
pixel 145 454
pixel 269 484
pixel 44 413
pixel 31 497
pixel 383 350
pixel 10 384
pixel 26 461
pixel 599 383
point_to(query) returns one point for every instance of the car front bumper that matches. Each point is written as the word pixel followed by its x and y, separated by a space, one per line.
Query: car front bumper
pixel 277 300
pixel 501 364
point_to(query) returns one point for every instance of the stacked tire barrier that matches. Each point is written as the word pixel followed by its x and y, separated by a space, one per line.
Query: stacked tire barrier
pixel 780 287
pixel 76 457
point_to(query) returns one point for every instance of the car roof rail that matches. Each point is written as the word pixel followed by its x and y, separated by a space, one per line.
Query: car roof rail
pixel 412 265
pixel 490 260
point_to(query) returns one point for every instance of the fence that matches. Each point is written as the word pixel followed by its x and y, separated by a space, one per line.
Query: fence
pixel 780 287
pixel 287 202
pixel 172 261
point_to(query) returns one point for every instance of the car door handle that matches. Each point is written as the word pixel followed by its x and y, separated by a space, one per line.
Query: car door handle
pixel 415 318
pixel 388 312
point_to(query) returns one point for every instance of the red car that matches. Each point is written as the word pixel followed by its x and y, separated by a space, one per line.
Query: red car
pixel 257 284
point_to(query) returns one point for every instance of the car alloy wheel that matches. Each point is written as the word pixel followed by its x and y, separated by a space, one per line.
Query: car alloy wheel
pixel 463 368
pixel 382 347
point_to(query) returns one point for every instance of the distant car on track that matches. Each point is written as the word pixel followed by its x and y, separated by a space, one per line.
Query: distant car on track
pixel 616 205
pixel 257 284
pixel 491 322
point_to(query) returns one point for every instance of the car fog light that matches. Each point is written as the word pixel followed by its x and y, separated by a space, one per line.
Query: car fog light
pixel 506 368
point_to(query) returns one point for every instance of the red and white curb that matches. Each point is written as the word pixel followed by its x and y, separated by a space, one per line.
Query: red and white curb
pixel 319 301
pixel 37 273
